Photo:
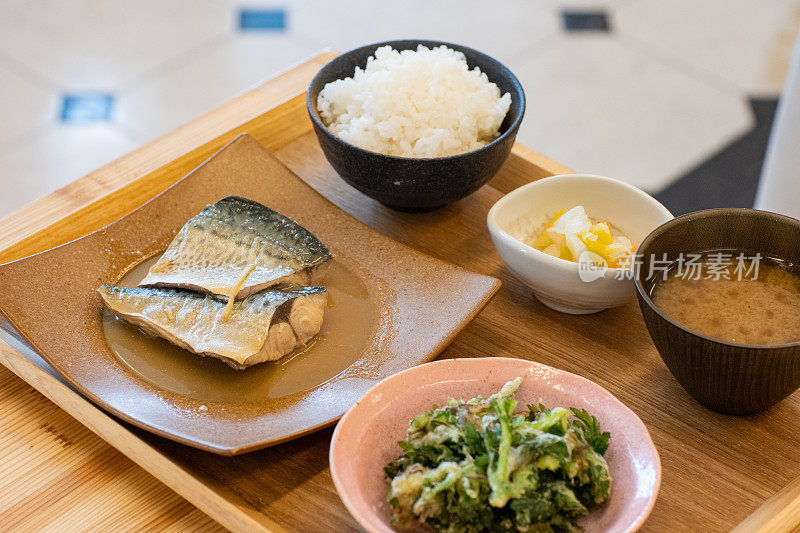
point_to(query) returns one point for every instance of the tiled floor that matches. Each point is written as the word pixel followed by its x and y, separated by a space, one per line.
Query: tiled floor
pixel 644 90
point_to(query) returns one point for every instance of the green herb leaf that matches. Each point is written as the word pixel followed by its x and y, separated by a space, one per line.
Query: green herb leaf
pixel 590 429
pixel 474 467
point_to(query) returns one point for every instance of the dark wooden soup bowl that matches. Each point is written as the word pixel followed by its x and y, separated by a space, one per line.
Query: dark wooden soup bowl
pixel 727 377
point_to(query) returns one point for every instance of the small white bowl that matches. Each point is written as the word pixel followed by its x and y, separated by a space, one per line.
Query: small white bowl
pixel 565 285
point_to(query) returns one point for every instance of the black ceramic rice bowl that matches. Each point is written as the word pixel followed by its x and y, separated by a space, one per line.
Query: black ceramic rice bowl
pixel 417 184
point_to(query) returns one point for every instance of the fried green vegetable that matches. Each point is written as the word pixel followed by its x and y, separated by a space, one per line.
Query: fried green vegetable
pixel 474 466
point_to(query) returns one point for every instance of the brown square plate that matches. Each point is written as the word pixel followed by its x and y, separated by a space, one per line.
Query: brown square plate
pixel 397 308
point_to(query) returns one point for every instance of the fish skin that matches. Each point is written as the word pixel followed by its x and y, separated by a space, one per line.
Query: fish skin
pixel 262 327
pixel 215 249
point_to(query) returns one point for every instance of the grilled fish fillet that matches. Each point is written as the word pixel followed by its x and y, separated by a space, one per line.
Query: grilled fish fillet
pixel 237 247
pixel 262 327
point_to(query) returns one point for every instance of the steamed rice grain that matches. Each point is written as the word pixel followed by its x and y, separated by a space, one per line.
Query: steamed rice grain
pixel 423 103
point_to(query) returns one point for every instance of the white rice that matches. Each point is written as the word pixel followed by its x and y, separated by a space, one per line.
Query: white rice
pixel 423 103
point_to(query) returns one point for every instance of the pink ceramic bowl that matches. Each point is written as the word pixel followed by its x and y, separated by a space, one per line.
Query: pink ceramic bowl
pixel 366 437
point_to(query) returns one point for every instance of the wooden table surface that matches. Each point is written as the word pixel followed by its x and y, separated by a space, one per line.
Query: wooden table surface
pixel 55 474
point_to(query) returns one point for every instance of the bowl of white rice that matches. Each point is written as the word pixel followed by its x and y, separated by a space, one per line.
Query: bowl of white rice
pixel 416 124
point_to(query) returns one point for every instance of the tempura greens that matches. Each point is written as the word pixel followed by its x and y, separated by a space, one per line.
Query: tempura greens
pixel 475 466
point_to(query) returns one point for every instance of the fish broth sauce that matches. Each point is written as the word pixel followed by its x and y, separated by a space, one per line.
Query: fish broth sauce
pixel 348 329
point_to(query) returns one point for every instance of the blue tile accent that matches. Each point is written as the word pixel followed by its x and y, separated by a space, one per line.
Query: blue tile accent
pixel 262 20
pixel 88 107
pixel 585 21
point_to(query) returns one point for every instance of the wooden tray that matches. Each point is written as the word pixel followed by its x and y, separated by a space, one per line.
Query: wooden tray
pixel 717 469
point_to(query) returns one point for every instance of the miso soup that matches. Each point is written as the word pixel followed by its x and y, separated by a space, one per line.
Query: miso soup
pixel 732 296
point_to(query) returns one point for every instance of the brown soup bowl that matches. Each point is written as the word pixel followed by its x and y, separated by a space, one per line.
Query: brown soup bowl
pixel 727 377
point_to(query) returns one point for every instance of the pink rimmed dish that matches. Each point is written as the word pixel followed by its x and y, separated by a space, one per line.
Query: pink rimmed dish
pixel 366 437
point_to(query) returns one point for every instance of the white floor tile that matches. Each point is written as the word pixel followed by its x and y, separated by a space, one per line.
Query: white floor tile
pixel 746 43
pixel 24 106
pixel 660 93
pixel 99 44
pixel 602 5
pixel 209 79
pixel 501 28
pixel 58 156
pixel 599 107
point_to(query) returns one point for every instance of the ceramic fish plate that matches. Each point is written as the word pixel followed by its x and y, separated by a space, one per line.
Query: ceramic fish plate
pixel 391 308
